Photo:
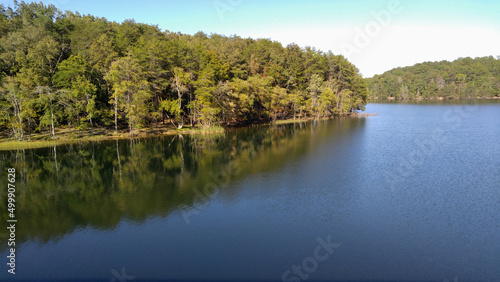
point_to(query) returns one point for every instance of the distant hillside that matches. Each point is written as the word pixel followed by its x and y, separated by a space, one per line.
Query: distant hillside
pixel 464 78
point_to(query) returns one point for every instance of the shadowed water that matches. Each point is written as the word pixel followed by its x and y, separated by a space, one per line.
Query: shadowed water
pixel 412 193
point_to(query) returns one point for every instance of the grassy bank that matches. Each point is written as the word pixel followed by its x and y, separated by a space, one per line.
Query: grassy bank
pixel 66 135
pixel 287 121
pixel 291 120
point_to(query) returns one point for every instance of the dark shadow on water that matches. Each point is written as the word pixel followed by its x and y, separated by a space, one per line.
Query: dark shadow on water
pixel 100 184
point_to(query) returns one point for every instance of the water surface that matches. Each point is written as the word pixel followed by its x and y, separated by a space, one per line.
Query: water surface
pixel 410 194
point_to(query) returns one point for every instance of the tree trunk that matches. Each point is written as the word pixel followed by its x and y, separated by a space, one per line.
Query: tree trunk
pixel 116 116
pixel 20 123
pixel 52 124
pixel 191 115
pixel 179 96
pixel 29 130
pixel 195 112
pixel 294 110
pixel 337 103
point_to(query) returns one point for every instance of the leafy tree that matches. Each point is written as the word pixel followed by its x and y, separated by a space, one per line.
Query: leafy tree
pixel 314 88
pixel 205 105
pixel 13 107
pixel 325 101
pixel 180 82
pixel 279 102
pixel 48 100
pixel 296 100
pixel 131 92
pixel 242 100
pixel 74 75
pixel 150 52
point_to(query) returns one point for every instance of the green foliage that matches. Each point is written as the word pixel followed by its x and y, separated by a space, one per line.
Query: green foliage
pixel 72 69
pixel 48 101
pixel 464 78
pixel 131 93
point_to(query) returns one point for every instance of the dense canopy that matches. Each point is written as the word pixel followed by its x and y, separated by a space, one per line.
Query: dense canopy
pixel 63 68
pixel 464 78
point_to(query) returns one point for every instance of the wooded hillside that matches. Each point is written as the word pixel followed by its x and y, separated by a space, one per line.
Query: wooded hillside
pixel 63 68
pixel 464 78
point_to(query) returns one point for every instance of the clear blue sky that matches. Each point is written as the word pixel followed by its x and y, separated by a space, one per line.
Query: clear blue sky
pixel 404 33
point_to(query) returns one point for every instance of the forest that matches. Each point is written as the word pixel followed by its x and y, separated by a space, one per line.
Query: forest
pixel 64 69
pixel 464 78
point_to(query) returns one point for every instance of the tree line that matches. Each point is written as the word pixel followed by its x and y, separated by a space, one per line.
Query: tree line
pixel 464 78
pixel 63 68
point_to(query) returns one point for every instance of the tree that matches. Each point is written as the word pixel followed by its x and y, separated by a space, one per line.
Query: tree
pixel 242 100
pixel 260 87
pixel 151 53
pixel 296 99
pixel 48 100
pixel 13 109
pixel 74 75
pixel 325 101
pixel 279 102
pixel 179 84
pixel 314 88
pixel 205 103
pixel 101 53
pixel 131 91
pixel 213 71
pixel 83 93
pixel 344 101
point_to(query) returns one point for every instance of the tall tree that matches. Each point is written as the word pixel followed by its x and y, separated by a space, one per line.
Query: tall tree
pixel 48 100
pixel 179 83
pixel 74 75
pixel 13 109
pixel 131 93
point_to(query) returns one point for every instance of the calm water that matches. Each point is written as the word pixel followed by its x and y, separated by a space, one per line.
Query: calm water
pixel 410 194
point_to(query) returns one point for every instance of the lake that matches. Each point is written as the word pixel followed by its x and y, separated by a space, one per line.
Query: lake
pixel 412 193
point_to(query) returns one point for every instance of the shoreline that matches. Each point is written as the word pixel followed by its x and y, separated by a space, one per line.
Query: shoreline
pixel 70 136
pixel 65 136
pixel 431 99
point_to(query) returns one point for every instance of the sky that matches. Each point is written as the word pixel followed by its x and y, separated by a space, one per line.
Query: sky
pixel 376 35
